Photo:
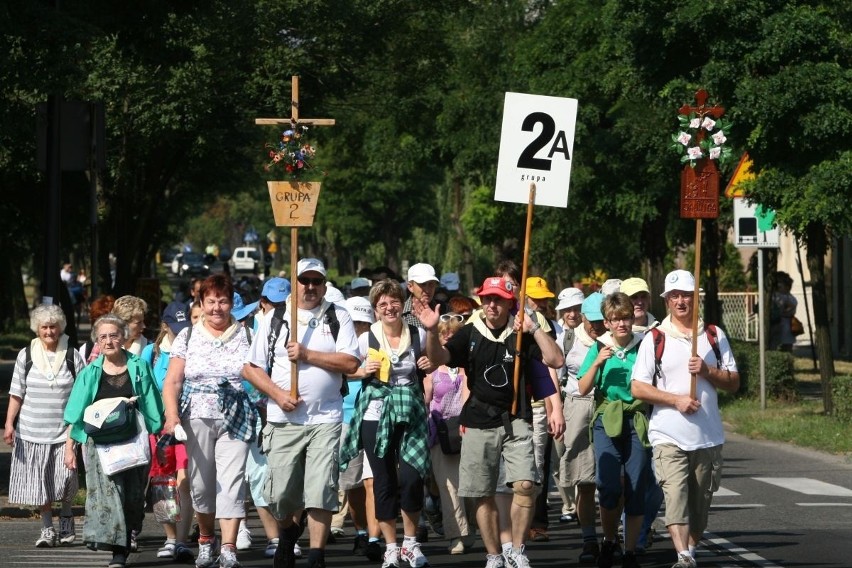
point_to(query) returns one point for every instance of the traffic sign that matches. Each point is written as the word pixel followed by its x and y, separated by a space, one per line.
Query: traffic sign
pixel 536 146
pixel 742 173
pixel 754 225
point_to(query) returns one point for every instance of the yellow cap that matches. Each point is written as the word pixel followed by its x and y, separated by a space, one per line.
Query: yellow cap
pixel 537 288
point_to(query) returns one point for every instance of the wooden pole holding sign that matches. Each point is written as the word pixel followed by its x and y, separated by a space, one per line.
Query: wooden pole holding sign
pixel 536 144
pixel 699 199
pixel 294 205
pixel 516 377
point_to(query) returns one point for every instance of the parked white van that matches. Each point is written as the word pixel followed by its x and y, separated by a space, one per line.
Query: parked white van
pixel 245 259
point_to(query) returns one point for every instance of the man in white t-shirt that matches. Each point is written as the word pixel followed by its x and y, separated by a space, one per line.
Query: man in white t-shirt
pixel 686 433
pixel 301 436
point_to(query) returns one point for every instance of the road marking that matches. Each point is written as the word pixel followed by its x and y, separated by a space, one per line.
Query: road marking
pixel 722 492
pixel 807 486
pixel 739 552
pixel 824 504
pixel 736 505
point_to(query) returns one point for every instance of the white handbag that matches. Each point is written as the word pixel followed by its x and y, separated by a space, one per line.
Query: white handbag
pixel 121 456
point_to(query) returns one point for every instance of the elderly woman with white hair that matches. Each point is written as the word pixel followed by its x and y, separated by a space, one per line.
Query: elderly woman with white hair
pixel 41 384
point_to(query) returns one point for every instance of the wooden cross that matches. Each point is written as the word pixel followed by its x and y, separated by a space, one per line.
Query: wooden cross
pixel 699 199
pixel 702 110
pixel 294 231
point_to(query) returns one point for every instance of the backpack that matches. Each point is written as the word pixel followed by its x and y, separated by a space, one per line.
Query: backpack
pixel 660 345
pixel 69 361
pixel 329 318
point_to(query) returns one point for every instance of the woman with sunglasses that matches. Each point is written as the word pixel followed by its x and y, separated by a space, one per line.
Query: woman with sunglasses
pixel 389 422
pixel 619 429
pixel 446 392
pixel 115 504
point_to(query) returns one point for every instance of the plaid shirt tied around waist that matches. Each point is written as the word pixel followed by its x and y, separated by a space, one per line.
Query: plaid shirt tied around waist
pixel 403 404
pixel 239 414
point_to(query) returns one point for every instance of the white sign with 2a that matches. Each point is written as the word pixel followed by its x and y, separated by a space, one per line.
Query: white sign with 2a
pixel 536 146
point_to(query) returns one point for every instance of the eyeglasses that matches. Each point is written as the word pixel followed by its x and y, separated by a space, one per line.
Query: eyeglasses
pixel 490 299
pixel 305 281
pixel 104 337
pixel 385 306
pixel 452 317
pixel 614 321
pixel 679 296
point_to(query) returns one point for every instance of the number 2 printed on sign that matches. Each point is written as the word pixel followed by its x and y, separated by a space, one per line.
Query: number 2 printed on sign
pixel 560 143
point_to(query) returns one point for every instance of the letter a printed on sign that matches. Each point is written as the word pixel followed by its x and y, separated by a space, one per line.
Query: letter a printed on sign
pixel 536 146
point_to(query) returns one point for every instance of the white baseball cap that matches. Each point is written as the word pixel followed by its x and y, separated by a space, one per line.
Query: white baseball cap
pixel 333 295
pixel 610 287
pixel 310 265
pixel 422 273
pixel 679 280
pixel 360 309
pixel 570 297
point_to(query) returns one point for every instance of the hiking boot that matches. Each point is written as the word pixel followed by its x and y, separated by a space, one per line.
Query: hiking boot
pixel 373 551
pixel 359 546
pixel 391 559
pixel 590 553
pixel 607 555
pixel 685 561
pixel 411 553
pixel 67 530
pixel 183 554
pixel 629 560
pixel 208 553
pixel 47 538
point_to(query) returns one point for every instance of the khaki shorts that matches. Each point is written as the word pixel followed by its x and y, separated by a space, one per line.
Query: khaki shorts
pixel 353 477
pixel 293 449
pixel 577 465
pixel 688 480
pixel 480 458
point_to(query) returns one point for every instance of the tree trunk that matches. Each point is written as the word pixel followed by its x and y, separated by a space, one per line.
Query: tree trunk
pixel 817 246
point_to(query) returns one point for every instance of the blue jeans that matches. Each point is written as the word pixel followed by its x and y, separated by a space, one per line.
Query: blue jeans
pixel 625 455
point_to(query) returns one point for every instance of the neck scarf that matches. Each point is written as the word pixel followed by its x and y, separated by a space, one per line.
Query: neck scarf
pixel 583 336
pixel 138 345
pixel 222 339
pixel 41 360
pixel 479 324
pixel 668 327
pixel 404 339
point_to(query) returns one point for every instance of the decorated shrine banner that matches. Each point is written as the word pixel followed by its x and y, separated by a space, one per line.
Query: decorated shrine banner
pixel 699 191
pixel 536 146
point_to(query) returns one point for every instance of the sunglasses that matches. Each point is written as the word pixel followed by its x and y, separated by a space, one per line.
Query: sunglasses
pixel 452 317
pixel 305 281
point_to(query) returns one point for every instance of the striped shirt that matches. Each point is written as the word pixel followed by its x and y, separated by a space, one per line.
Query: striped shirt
pixel 41 416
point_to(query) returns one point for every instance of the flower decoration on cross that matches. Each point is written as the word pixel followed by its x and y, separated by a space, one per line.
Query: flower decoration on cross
pixel 293 152
pixel 702 136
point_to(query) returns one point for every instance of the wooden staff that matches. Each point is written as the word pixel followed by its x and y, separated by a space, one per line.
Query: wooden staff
pixel 696 274
pixel 523 298
pixel 294 308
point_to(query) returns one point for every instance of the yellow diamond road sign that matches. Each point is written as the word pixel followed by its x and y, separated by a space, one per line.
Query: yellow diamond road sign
pixel 741 174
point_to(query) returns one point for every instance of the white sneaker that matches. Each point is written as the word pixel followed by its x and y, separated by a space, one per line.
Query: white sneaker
pixel 67 530
pixel 685 561
pixel 47 538
pixel 494 561
pixel 271 547
pixel 167 550
pixel 411 553
pixel 391 559
pixel 297 550
pixel 243 538
pixel 517 559
pixel 208 554
pixel 228 558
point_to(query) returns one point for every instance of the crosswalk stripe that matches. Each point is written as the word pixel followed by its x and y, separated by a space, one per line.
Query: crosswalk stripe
pixel 807 486
pixel 722 492
pixel 824 504
pixel 739 551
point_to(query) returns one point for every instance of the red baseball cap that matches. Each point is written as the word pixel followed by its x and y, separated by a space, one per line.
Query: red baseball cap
pixel 496 286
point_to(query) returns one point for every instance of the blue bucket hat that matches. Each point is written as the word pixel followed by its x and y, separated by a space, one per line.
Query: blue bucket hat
pixel 276 289
pixel 240 310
